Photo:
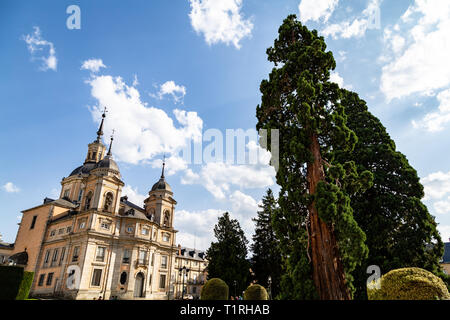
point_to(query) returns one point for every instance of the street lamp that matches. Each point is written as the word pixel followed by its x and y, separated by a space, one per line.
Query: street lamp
pixel 235 288
pixel 181 271
pixel 269 282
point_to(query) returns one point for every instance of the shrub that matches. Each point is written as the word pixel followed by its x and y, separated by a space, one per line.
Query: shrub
pixel 215 289
pixel 25 285
pixel 409 284
pixel 256 292
pixel 15 283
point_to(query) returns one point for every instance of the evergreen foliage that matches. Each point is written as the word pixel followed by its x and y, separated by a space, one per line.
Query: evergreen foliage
pixel 266 260
pixel 399 229
pixel 227 257
pixel 15 283
pixel 300 101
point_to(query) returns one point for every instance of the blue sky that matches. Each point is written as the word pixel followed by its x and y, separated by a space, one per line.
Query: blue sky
pixel 169 71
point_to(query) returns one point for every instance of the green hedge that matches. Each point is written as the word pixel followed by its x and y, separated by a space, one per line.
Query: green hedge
pixel 409 284
pixel 215 289
pixel 15 283
pixel 256 292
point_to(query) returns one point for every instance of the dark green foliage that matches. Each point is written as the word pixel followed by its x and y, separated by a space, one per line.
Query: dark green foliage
pixel 256 292
pixel 300 101
pixel 25 285
pixel 266 260
pixel 15 284
pixel 399 229
pixel 227 257
pixel 215 289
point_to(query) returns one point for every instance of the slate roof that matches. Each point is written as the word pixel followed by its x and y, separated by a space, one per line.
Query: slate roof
pixel 446 257
pixel 192 253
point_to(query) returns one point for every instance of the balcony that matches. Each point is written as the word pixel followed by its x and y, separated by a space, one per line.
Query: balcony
pixel 142 262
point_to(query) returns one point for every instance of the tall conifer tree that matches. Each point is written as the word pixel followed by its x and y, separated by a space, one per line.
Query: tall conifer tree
pixel 321 240
pixel 227 258
pixel 266 260
pixel 400 231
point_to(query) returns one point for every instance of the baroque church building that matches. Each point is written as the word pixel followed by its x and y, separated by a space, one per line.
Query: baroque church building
pixel 92 242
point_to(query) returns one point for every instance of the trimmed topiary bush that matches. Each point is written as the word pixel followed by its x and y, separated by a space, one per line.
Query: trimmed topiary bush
pixel 409 284
pixel 256 292
pixel 15 283
pixel 214 289
pixel 25 285
pixel 10 280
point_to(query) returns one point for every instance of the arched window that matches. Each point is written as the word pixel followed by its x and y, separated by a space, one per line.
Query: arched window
pixel 166 222
pixel 87 201
pixel 108 202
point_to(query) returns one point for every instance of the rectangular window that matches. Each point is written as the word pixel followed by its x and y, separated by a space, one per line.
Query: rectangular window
pixel 41 280
pixel 55 256
pixel 81 224
pixel 166 237
pixel 69 229
pixel 162 281
pixel 47 257
pixel 63 252
pixel 144 231
pixel 126 256
pixel 66 193
pixel 80 195
pixel 105 225
pixel 96 277
pixel 33 222
pixel 100 254
pixel 75 254
pixel 142 256
pixel 49 279
pixel 153 258
pixel 61 231
pixel 164 262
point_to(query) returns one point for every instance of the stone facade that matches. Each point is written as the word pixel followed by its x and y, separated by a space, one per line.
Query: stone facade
pixel 92 242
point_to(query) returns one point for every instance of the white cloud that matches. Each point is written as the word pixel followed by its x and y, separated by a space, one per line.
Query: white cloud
pixel 141 131
pixel 93 65
pixel 218 177
pixel 356 27
pixel 316 9
pixel 419 63
pixel 170 88
pixel 36 45
pixel 133 195
pixel 173 165
pixel 442 207
pixel 436 121
pixel 198 226
pixel 436 185
pixel 10 187
pixel 220 21
pixel 444 230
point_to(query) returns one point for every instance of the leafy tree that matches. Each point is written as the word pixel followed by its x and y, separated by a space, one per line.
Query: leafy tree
pixel 321 241
pixel 227 257
pixel 266 260
pixel 400 231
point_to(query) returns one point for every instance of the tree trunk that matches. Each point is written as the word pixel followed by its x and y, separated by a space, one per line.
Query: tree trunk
pixel 328 271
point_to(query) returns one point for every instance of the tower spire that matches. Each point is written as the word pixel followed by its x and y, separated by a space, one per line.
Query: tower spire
pixel 100 129
pixel 110 144
pixel 164 164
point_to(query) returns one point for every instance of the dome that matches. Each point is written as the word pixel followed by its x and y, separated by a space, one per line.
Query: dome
pixel 161 185
pixel 107 163
pixel 84 169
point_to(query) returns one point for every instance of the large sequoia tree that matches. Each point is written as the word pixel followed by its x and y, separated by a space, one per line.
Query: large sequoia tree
pixel 322 243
